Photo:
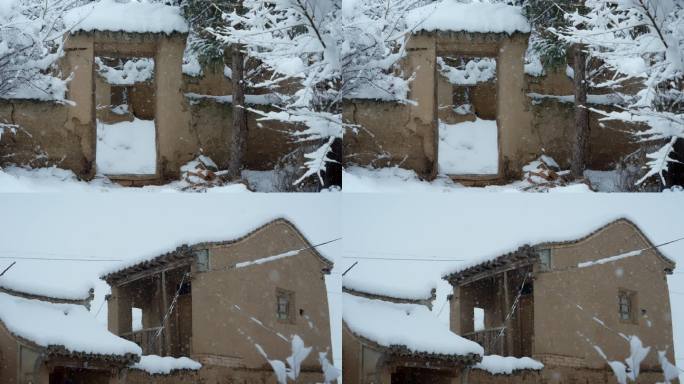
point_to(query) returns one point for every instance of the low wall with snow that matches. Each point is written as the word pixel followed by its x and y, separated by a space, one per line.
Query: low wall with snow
pixel 478 376
pixel 553 128
pixel 46 137
pixel 136 376
pixel 211 374
pixel 384 138
pixel 212 122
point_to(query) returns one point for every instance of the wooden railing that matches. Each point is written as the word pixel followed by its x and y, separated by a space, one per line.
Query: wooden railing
pixel 491 339
pixel 147 340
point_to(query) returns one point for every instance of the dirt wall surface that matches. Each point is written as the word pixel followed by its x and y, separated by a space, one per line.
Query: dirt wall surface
pixel 9 364
pixel 211 124
pixel 559 292
pixel 136 376
pixel 220 293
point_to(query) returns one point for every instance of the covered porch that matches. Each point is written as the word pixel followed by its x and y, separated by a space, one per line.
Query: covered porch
pixel 153 308
pixel 496 310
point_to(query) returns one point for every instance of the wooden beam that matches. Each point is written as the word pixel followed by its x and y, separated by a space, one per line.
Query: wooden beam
pixel 149 272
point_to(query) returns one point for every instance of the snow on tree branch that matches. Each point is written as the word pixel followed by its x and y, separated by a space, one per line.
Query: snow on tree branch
pixel 640 45
pixel 31 39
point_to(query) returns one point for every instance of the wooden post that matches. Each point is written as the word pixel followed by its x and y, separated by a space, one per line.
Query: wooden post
pixel 165 307
pixel 507 322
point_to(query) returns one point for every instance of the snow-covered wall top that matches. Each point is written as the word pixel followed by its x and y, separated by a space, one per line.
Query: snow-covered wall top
pixel 451 15
pixel 69 325
pixel 500 365
pixel 157 365
pixel 410 325
pixel 50 279
pixel 134 16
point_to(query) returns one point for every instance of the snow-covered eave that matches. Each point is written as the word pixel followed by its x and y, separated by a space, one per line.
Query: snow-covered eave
pixel 187 252
pixel 84 299
pixel 530 252
pixel 60 351
pixel 524 255
pixel 671 264
pixel 427 301
pixel 465 34
pixel 403 352
pixel 119 34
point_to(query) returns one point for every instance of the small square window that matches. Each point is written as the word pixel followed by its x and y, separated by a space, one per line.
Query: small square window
pixel 545 259
pixel 626 305
pixel 284 305
pixel 202 257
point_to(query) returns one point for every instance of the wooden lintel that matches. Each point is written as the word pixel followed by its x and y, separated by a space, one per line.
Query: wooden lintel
pixel 479 275
pixel 149 272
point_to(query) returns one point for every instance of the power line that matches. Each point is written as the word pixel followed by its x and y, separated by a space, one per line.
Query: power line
pixel 55 258
pixel 7 269
pixel 396 258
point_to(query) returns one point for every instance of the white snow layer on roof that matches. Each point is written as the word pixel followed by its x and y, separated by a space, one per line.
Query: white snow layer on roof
pixel 410 325
pixel 134 16
pixel 61 280
pixel 157 365
pixel 451 15
pixel 234 235
pixel 69 325
pixel 497 365
pixel 588 230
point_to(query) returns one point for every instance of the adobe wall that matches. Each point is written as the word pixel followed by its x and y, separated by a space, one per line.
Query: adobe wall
pixel 396 134
pixel 220 294
pixel 9 366
pixel 351 358
pixel 136 376
pixel 211 124
pixel 478 376
pixel 65 134
pixel 595 289
pixel 47 137
pixel 558 375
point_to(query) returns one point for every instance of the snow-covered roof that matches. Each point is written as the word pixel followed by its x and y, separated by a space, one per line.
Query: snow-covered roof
pixel 49 279
pixel 528 252
pixel 500 365
pixel 67 326
pixel 157 365
pixel 406 327
pixel 133 16
pixel 452 15
pixel 184 251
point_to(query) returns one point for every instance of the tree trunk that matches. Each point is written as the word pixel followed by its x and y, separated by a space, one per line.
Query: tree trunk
pixel 579 152
pixel 239 131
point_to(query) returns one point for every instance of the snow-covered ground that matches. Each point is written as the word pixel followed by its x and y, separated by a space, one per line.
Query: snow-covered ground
pixel 403 243
pixel 15 179
pixel 126 148
pixel 62 242
pixel 398 180
pixel 468 148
